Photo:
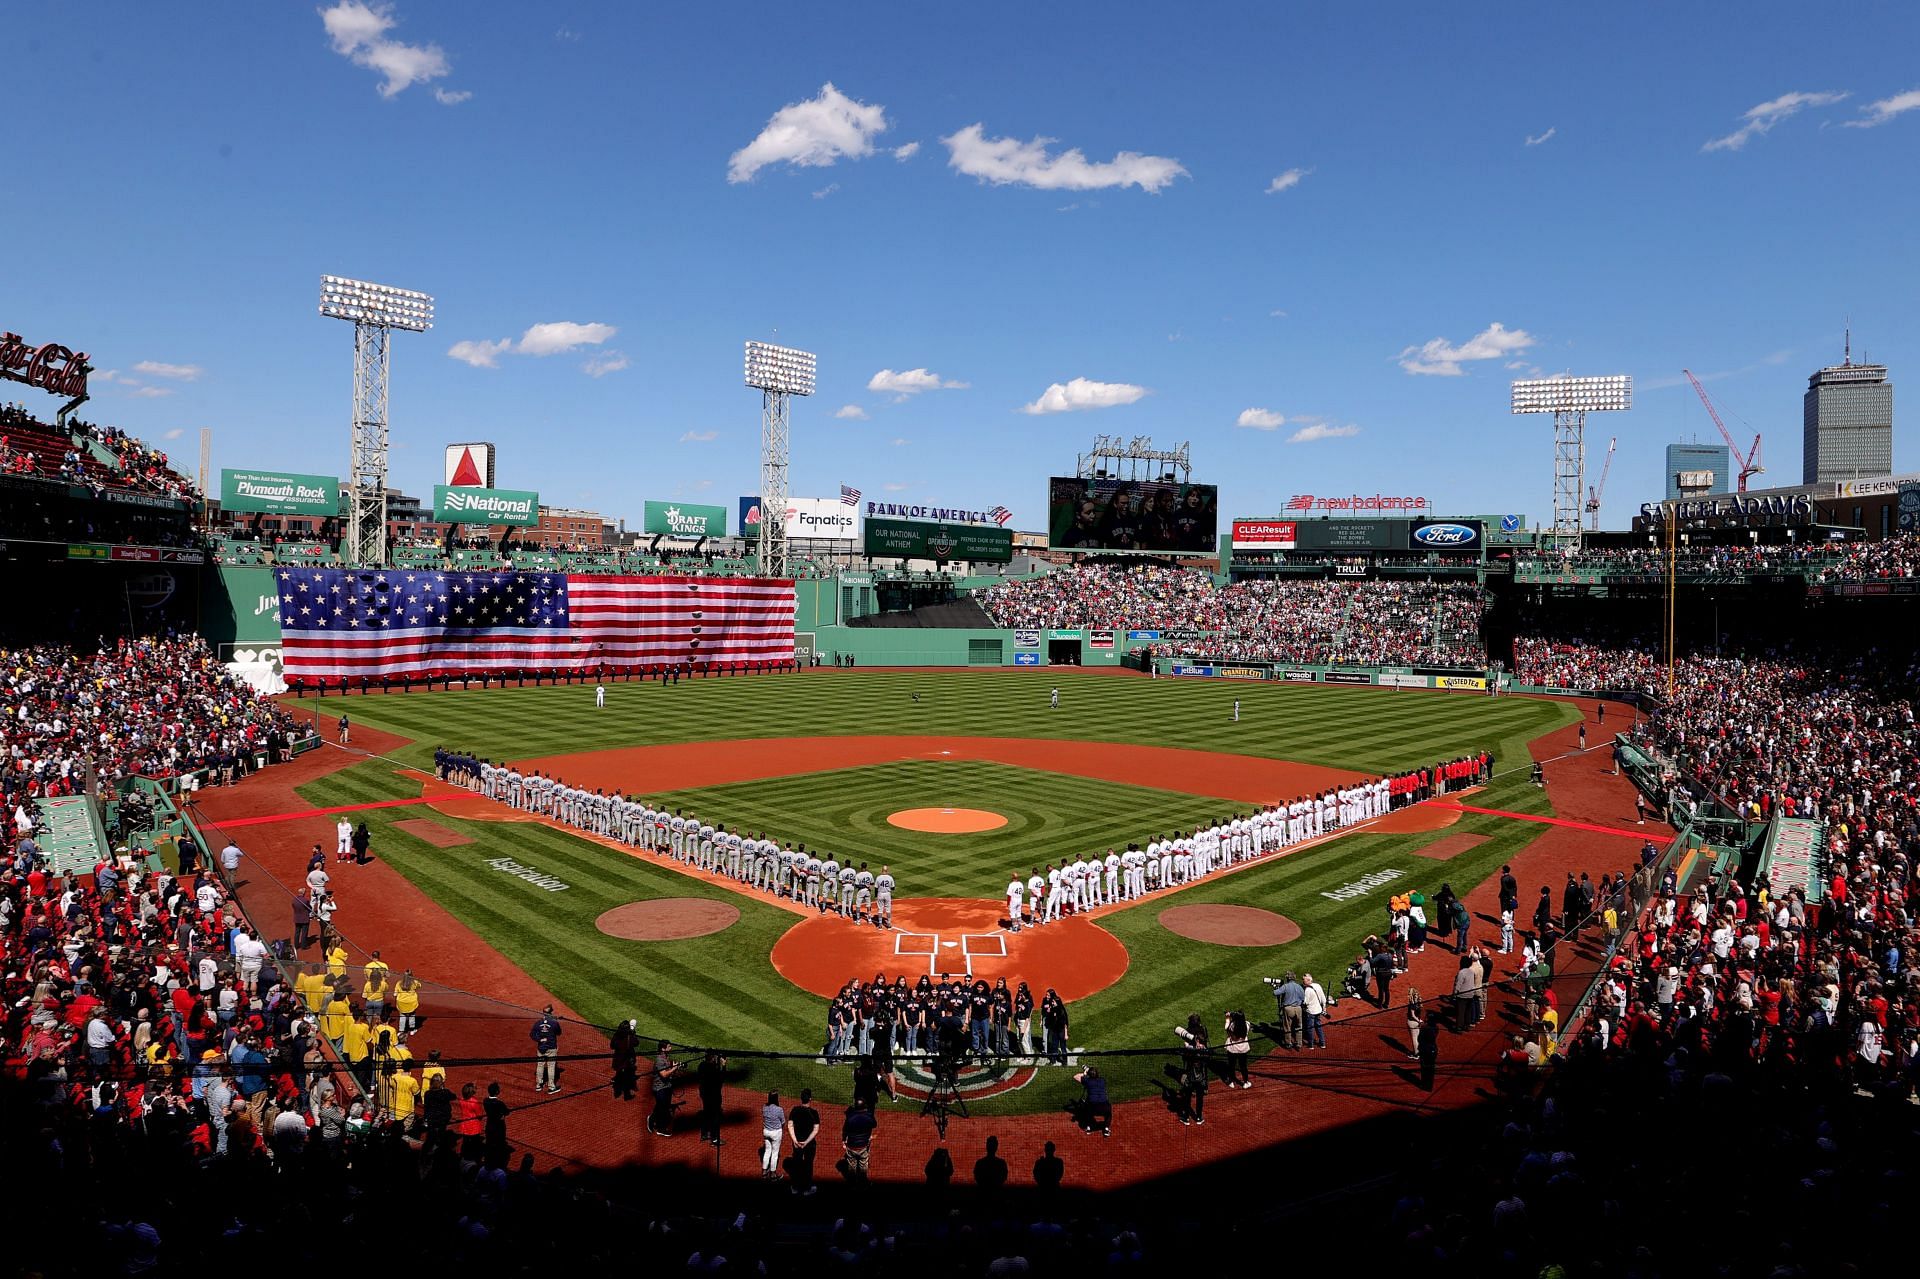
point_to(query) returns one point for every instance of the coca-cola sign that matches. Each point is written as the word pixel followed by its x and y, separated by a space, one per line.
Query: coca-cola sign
pixel 53 368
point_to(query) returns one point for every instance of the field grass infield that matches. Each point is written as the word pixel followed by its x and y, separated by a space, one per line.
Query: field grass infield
pixel 722 989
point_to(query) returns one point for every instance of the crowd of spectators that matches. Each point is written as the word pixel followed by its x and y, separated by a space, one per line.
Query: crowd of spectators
pixel 156 707
pixel 1355 623
pixel 141 466
pixel 1894 557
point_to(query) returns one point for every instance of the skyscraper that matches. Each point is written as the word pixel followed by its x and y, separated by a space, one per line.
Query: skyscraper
pixel 1847 418
pixel 1689 460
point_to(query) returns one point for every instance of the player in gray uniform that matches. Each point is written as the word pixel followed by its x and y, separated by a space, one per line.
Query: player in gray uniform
pixel 731 841
pixel 514 784
pixel 847 875
pixel 829 884
pixel 883 898
pixel 862 894
pixel 679 829
pixel 813 882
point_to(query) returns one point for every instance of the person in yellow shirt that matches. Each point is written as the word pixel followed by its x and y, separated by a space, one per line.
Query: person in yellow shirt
pixel 377 965
pixel 403 1091
pixel 374 994
pixel 160 1056
pixel 406 1002
pixel 336 1019
pixel 337 963
pixel 432 1070
pixel 311 986
pixel 357 1047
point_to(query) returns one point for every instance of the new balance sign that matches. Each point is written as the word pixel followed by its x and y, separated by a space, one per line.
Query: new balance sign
pixel 463 505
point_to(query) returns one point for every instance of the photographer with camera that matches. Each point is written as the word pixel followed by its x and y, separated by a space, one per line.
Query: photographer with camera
pixel 1196 1070
pixel 1291 997
pixel 1095 1109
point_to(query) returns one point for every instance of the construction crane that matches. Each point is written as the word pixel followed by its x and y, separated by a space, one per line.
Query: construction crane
pixel 1750 464
pixel 1597 491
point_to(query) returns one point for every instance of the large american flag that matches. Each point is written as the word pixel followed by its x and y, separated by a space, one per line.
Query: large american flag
pixel 351 622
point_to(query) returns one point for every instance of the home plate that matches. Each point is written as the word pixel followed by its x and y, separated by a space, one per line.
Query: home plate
pixel 948 945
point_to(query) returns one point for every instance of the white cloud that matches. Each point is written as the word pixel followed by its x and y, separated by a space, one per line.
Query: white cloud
pixel 1885 109
pixel 897 442
pixel 175 433
pixel 911 382
pixel 1004 161
pixel 1321 431
pixel 1261 419
pixel 1276 315
pixel 1080 394
pixel 811 134
pixel 147 392
pixel 851 413
pixel 567 35
pixel 481 355
pixel 826 190
pixel 359 34
pixel 562 336
pixel 604 363
pixel 1442 359
pixel 906 152
pixel 896 486
pixel 699 437
pixel 1287 181
pixel 178 372
pixel 451 97
pixel 1534 140
pixel 1761 119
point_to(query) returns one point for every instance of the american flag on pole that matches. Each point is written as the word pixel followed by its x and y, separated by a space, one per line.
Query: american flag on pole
pixel 1000 515
pixel 849 496
pixel 351 622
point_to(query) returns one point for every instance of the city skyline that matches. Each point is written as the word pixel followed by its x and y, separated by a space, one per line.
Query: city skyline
pixel 1317 245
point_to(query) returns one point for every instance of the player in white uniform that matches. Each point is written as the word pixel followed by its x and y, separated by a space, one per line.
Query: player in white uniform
pixel 1036 890
pixel 847 877
pixel 830 884
pixel 599 697
pixel 813 881
pixel 1113 876
pixel 1053 700
pixel 862 894
pixel 883 899
pixel 1056 891
pixel 1015 887
pixel 343 839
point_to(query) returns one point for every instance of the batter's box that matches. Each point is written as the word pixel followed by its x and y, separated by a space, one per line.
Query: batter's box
pixel 931 945
pixel 972 951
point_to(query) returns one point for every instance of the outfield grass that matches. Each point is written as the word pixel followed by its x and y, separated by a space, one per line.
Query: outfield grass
pixel 722 989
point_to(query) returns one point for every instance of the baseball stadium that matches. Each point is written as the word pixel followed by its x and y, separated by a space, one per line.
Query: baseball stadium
pixel 766 887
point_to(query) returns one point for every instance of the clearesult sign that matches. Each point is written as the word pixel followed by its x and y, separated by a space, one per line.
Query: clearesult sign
pixel 459 505
pixel 1265 535
pixel 50 367
pixel 685 519
pixel 279 493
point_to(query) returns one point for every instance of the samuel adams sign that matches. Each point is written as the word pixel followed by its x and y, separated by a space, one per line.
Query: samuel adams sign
pixel 55 369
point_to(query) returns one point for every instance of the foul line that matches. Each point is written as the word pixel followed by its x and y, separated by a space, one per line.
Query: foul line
pixel 1535 817
pixel 229 822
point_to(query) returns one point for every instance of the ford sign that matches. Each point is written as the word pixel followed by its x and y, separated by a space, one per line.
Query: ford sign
pixel 1445 535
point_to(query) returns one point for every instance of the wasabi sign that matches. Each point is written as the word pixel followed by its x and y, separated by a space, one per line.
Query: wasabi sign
pixel 276 493
pixel 918 540
pixel 463 505
pixel 683 519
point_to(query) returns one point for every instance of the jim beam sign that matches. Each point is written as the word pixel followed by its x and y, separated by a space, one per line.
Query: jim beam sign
pixel 53 368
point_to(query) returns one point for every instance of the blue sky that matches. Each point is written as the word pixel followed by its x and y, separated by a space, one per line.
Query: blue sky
pixel 1310 214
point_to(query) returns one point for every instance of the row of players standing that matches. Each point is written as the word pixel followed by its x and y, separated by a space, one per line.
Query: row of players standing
pixel 820 881
pixel 1085 883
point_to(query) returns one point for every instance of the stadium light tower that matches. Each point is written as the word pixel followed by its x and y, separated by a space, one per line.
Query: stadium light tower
pixel 1570 399
pixel 374 310
pixel 778 373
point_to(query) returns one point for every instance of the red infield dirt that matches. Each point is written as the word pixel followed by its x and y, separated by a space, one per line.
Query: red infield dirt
pixel 1225 925
pixel 1448 847
pixel 935 935
pixel 584 1126
pixel 668 919
pixel 432 832
pixel 688 765
pixel 946 821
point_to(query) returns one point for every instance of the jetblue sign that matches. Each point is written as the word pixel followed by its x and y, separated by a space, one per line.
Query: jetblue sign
pixel 1444 535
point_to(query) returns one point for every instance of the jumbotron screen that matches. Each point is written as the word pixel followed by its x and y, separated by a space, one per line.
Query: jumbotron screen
pixel 1132 515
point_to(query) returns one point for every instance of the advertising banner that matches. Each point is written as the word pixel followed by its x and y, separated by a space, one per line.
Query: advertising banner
pixel 279 493
pixel 914 540
pixel 1350 570
pixel 1907 508
pixel 1204 671
pixel 1460 681
pixel 469 466
pixel 1346 677
pixel 1242 672
pixel 1351 535
pixel 1063 634
pixel 1143 635
pixel 684 519
pixel 1026 659
pixel 1444 535
pixel 453 505
pixel 1392 680
pixel 1264 535
pixel 749 515
pixel 1299 677
pixel 1099 639
pixel 1132 515
pixel 1371 502
pixel 1026 639
pixel 820 517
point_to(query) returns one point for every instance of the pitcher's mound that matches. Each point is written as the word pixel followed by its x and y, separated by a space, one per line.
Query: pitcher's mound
pixel 1229 925
pixel 946 821
pixel 667 919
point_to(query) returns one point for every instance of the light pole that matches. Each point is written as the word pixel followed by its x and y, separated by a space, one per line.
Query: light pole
pixel 1570 399
pixel 374 310
pixel 778 373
